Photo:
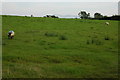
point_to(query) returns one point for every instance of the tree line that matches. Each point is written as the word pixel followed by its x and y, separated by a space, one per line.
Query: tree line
pixel 85 15
pixel 99 16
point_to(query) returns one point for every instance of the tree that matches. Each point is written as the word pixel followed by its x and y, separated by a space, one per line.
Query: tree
pixel 84 15
pixel 98 16
pixel 105 16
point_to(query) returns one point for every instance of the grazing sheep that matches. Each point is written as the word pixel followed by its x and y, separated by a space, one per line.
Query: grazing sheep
pixel 11 34
pixel 107 23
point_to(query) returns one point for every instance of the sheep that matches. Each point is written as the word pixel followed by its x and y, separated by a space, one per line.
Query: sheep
pixel 11 34
pixel 107 23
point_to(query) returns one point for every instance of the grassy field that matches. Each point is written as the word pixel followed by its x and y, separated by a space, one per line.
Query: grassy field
pixel 59 48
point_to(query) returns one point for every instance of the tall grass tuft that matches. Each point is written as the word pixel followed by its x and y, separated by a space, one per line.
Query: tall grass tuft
pixel 88 42
pixel 107 38
pixel 94 41
pixel 62 37
pixel 51 34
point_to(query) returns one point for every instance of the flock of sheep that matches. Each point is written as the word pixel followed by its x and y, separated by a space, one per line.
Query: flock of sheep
pixel 11 34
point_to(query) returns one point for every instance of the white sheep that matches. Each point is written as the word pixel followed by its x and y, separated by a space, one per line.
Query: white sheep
pixel 11 34
pixel 107 23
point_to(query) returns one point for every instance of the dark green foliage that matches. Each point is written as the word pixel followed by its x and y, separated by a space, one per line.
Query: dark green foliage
pixel 84 15
pixel 98 16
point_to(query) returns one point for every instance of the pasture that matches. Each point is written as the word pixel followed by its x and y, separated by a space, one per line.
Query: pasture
pixel 59 48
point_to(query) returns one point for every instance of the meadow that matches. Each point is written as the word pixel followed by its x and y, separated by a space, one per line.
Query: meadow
pixel 59 48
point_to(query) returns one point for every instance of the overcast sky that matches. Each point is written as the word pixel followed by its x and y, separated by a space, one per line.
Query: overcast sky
pixel 61 9
pixel 59 0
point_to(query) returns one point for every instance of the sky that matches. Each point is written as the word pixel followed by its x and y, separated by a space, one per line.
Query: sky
pixel 66 9
pixel 59 0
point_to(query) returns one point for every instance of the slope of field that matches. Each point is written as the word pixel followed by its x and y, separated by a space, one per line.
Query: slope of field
pixel 59 48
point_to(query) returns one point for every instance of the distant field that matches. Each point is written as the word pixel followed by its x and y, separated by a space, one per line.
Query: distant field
pixel 59 48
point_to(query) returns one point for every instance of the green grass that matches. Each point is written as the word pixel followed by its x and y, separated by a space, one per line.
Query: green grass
pixel 59 48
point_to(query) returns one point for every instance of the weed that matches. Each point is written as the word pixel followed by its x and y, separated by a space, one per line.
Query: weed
pixel 51 34
pixel 88 42
pixel 62 37
pixel 107 38
pixel 98 42
pixel 94 41
pixel 91 27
